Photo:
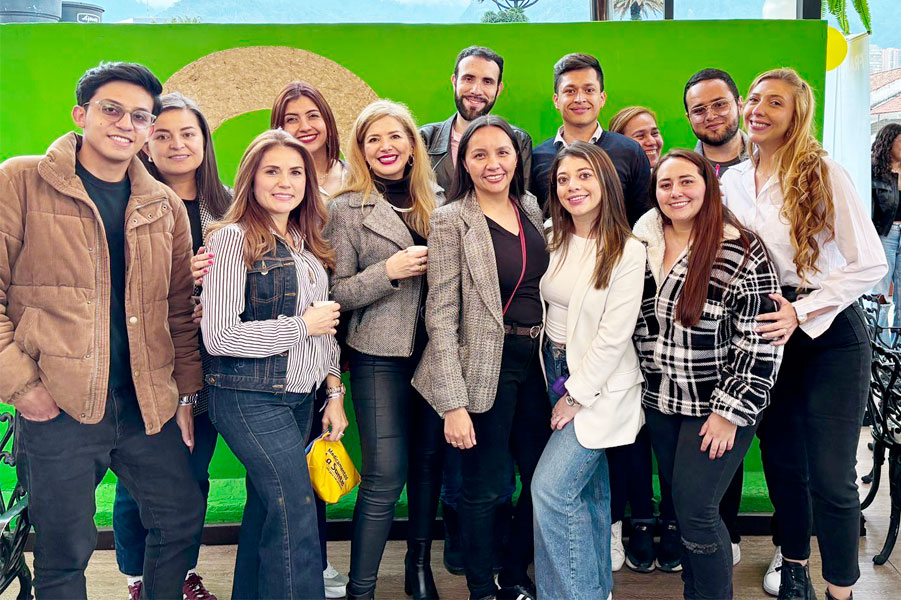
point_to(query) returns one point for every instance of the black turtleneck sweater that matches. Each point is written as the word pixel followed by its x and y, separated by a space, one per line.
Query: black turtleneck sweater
pixel 397 192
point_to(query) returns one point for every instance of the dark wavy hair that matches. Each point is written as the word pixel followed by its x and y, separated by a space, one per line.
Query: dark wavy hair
pixel 295 90
pixel 881 165
pixel 706 235
pixel 462 183
pixel 210 190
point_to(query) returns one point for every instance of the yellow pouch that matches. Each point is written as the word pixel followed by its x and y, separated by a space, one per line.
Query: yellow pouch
pixel 332 473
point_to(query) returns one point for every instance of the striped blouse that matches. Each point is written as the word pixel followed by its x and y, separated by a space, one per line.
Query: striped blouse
pixel 310 358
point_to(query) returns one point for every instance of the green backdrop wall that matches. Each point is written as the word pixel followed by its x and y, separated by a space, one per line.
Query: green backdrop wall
pixel 644 63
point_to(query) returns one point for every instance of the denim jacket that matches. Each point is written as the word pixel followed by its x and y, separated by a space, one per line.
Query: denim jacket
pixel 271 291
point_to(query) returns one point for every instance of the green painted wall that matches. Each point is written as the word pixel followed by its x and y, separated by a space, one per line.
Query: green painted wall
pixel 644 63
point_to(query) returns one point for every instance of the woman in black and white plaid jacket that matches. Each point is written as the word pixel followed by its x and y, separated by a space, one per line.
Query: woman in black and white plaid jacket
pixel 708 372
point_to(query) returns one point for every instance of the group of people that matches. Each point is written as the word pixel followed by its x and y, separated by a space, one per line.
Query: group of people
pixel 554 312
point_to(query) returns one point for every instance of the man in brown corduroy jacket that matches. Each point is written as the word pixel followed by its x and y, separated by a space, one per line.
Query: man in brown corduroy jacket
pixel 98 351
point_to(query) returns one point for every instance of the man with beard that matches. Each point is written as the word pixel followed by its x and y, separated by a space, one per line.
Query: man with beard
pixel 713 106
pixel 579 96
pixel 477 82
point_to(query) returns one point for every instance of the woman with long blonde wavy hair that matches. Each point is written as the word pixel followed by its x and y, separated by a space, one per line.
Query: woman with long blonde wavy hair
pixel 378 226
pixel 826 250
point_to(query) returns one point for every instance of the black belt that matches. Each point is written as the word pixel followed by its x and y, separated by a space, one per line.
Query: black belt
pixel 533 332
pixel 792 293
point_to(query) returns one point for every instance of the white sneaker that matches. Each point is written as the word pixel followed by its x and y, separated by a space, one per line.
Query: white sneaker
pixel 617 551
pixel 773 577
pixel 736 554
pixel 335 582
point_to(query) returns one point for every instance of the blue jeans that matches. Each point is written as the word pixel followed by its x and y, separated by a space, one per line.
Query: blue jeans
pixel 571 498
pixel 278 546
pixel 891 244
pixel 129 533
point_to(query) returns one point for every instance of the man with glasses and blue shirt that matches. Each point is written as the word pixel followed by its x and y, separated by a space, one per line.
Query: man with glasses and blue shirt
pixel 98 351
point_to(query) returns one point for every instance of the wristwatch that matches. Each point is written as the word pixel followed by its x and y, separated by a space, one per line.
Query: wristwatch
pixel 569 400
pixel 802 317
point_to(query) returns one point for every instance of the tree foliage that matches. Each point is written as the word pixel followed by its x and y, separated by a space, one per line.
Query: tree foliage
pixel 637 9
pixel 510 15
pixel 839 9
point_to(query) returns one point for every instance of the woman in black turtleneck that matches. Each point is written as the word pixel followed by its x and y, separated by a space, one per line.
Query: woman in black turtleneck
pixel 375 225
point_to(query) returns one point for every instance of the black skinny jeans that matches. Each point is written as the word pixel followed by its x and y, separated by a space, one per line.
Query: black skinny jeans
pixel 61 461
pixel 516 427
pixel 808 442
pixel 698 485
pixel 401 441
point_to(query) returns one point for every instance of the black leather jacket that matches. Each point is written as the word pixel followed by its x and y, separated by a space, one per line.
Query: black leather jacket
pixel 885 203
pixel 437 140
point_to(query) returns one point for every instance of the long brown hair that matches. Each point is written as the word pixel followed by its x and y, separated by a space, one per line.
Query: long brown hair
pixel 706 236
pixel 422 178
pixel 293 91
pixel 802 175
pixel 308 218
pixel 610 227
pixel 621 119
pixel 210 190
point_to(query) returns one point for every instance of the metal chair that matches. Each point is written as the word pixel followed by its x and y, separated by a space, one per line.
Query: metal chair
pixel 884 405
pixel 14 523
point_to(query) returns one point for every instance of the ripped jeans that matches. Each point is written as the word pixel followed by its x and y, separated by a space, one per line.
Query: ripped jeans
pixel 698 485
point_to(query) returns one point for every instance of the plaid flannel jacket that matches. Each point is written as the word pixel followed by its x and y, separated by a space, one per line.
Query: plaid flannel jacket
pixel 722 364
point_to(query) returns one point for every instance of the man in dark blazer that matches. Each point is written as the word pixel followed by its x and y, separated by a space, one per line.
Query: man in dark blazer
pixel 579 96
pixel 477 82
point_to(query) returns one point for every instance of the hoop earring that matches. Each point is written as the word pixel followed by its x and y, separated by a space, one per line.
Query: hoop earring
pixel 410 161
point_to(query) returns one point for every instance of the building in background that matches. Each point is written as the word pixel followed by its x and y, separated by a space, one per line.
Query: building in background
pixel 885 99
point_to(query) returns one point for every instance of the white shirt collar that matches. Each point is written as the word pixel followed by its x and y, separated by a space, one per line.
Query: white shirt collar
pixel 594 136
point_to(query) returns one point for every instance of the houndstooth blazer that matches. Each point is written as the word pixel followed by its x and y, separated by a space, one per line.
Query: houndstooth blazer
pixel 464 317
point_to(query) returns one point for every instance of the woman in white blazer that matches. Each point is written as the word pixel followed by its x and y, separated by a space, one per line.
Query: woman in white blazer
pixel 592 296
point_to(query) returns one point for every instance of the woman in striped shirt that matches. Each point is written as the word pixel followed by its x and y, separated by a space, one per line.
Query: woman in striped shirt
pixel 708 371
pixel 272 345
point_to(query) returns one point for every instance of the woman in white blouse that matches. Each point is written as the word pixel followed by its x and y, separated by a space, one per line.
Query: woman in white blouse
pixel 804 206
pixel 271 348
pixel 592 290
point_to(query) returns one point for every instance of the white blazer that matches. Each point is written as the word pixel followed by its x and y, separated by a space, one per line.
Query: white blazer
pixel 605 377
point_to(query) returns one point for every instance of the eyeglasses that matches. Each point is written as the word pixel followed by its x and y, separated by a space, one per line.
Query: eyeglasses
pixel 140 118
pixel 720 108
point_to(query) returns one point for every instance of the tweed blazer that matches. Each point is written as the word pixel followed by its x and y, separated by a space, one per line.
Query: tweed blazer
pixel 461 364
pixel 365 233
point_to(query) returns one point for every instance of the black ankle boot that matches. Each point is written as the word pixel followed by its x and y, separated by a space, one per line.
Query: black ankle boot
pixel 366 596
pixel 795 583
pixel 453 544
pixel 418 580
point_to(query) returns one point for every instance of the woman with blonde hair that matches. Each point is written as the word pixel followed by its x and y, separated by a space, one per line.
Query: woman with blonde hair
pixel 378 226
pixel 640 124
pixel 272 347
pixel 827 254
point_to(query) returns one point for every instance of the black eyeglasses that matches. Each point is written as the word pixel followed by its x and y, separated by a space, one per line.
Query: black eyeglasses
pixel 140 118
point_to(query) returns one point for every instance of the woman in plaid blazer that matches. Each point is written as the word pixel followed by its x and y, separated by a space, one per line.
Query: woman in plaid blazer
pixel 708 371
pixel 480 369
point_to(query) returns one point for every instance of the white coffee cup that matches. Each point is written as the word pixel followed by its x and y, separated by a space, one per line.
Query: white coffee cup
pixel 321 303
pixel 418 250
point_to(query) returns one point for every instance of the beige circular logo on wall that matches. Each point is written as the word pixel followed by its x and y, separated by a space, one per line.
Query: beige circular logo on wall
pixel 232 82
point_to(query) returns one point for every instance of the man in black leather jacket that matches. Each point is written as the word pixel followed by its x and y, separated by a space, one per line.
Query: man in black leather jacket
pixel 477 82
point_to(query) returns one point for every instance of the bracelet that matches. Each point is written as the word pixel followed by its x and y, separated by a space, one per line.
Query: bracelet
pixel 189 400
pixel 338 390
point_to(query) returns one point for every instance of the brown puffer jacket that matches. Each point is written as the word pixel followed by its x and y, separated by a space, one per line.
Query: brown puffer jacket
pixel 55 289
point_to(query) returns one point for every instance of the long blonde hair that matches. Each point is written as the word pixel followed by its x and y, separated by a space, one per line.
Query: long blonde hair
pixel 802 175
pixel 422 178
pixel 308 217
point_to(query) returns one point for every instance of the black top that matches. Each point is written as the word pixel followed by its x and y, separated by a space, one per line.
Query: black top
pixel 898 208
pixel 628 158
pixel 111 199
pixel 525 309
pixel 193 207
pixel 397 192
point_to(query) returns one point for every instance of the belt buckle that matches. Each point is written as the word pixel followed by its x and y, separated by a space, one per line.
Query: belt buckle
pixel 534 331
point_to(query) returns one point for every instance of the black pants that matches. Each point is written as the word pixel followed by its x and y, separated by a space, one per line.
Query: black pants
pixel 698 487
pixel 401 441
pixel 808 442
pixel 516 427
pixel 61 462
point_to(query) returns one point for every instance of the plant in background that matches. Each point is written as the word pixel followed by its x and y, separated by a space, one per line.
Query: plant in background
pixel 509 11
pixel 839 9
pixel 637 8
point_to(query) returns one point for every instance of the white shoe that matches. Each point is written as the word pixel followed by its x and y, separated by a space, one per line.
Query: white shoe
pixel 335 582
pixel 773 577
pixel 736 554
pixel 617 551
